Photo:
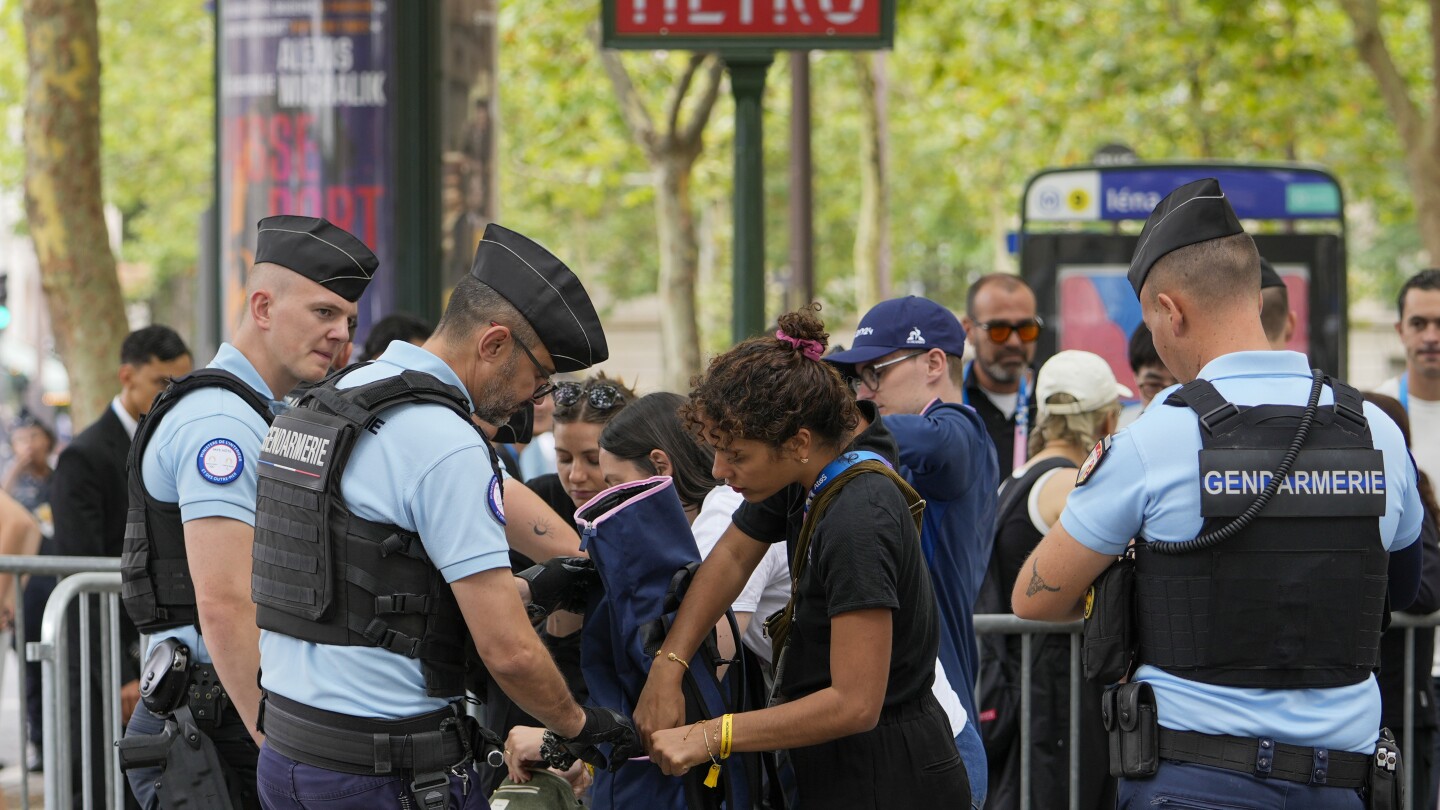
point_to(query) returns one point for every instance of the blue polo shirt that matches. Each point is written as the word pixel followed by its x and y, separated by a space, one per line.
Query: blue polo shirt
pixel 947 455
pixel 202 456
pixel 427 471
pixel 1148 485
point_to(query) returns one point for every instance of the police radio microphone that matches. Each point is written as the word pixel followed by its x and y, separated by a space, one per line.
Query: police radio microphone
pixel 495 759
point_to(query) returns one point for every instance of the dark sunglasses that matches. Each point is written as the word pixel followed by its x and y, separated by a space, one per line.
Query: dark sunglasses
pixel 601 396
pixel 999 331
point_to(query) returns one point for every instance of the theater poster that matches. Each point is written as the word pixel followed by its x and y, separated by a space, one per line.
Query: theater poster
pixel 305 129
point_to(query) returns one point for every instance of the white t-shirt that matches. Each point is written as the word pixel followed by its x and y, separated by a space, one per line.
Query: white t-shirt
pixel 769 586
pixel 1424 428
pixel 1005 403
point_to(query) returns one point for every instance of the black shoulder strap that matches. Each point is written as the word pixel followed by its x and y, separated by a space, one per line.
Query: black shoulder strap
pixel 1207 403
pixel 195 380
pixel 1349 404
pixel 1016 488
pixel 362 404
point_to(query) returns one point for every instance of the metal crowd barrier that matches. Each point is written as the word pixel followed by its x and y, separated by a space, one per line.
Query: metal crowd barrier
pixel 1007 624
pixel 87 578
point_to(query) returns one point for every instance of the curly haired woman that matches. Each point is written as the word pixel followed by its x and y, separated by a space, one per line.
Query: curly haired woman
pixel 855 655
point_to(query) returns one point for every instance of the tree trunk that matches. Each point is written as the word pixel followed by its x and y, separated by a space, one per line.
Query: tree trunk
pixel 1419 133
pixel 63 197
pixel 1425 184
pixel 870 229
pixel 679 267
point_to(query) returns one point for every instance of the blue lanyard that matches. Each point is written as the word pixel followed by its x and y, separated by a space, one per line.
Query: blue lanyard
pixel 841 463
pixel 1405 391
pixel 1022 412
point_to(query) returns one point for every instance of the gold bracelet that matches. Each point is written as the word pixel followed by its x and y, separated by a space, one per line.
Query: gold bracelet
pixel 673 657
pixel 712 778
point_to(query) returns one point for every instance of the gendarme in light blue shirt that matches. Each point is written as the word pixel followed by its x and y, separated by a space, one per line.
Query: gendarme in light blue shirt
pixel 427 471
pixel 1148 485
pixel 175 460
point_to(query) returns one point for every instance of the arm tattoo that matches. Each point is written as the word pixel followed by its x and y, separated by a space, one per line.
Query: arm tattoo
pixel 1037 582
pixel 540 527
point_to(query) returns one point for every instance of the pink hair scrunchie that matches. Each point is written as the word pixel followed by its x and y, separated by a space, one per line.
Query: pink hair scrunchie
pixel 811 348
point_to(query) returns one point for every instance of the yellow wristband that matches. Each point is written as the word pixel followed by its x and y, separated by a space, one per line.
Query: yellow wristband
pixel 673 657
pixel 726 736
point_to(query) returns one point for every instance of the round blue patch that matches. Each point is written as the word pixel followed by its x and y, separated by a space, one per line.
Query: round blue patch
pixel 496 500
pixel 220 461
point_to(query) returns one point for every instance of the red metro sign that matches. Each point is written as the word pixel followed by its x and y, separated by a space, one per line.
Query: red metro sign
pixel 748 24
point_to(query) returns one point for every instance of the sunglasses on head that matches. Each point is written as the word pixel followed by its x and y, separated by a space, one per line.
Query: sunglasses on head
pixel 1000 331
pixel 601 396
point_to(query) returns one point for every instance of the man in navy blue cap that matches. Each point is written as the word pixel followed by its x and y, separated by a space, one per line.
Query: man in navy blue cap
pixel 906 359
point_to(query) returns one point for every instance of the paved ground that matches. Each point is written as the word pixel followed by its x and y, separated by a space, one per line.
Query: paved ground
pixel 11 749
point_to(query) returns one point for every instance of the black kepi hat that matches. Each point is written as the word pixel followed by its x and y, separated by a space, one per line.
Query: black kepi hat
pixel 546 292
pixel 319 251
pixel 1193 213
pixel 1268 277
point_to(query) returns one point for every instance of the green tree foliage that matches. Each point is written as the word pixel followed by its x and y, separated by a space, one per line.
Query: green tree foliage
pixel 983 93
pixel 157 109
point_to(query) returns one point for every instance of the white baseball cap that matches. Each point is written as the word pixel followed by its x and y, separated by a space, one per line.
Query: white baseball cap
pixel 1083 375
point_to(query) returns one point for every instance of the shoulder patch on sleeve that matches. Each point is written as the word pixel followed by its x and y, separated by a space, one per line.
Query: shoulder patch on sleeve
pixel 1092 462
pixel 220 461
pixel 495 499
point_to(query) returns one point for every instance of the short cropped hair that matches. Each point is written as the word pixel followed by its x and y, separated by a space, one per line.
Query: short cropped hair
pixel 473 305
pixel 397 326
pixel 1142 349
pixel 1215 271
pixel 1006 281
pixel 1274 311
pixel 1423 280
pixel 152 343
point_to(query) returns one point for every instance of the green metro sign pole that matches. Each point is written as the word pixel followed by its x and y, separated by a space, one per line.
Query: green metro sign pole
pixel 747 33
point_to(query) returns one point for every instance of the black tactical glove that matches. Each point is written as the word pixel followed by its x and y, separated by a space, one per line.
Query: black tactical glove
pixel 563 583
pixel 605 726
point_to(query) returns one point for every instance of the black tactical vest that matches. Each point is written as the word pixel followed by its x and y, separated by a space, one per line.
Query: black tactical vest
pixel 1297 599
pixel 155 575
pixel 322 574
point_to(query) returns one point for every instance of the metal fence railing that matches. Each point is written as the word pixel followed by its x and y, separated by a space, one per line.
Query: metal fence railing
pixel 1007 624
pixel 88 579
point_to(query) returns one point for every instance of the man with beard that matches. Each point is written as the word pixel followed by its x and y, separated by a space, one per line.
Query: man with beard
pixel 382 549
pixel 1002 326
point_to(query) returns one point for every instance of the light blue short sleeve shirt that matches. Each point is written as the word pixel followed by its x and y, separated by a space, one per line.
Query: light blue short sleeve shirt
pixel 427 471
pixel 202 457
pixel 1147 485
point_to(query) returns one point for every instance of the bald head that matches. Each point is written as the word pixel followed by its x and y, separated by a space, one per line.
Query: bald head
pixel 1214 275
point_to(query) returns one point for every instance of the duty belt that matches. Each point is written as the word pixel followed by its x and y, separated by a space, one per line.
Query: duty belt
pixel 427 743
pixel 1267 759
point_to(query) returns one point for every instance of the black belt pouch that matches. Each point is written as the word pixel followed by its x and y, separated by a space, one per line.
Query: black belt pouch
pixel 1132 728
pixel 165 677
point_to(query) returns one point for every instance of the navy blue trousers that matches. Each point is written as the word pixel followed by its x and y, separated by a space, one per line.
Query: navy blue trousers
pixel 1183 786
pixel 289 785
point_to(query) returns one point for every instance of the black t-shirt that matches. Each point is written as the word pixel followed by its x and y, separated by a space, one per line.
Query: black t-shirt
pixel 780 516
pixel 1000 427
pixel 855 535
pixel 865 553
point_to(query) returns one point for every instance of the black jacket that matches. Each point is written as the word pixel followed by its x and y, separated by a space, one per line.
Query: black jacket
pixel 87 491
